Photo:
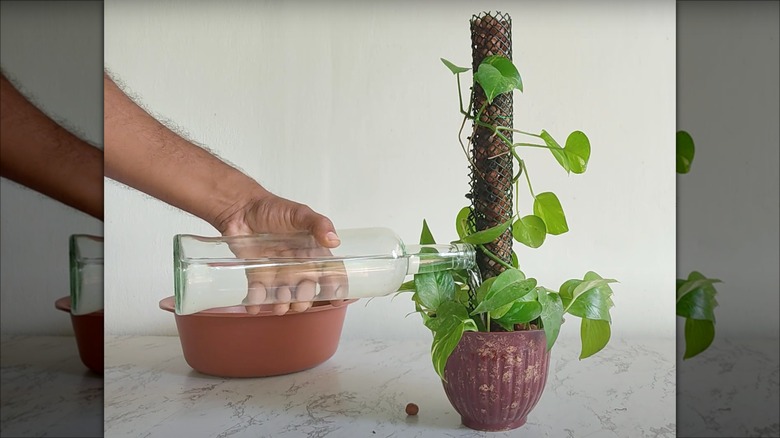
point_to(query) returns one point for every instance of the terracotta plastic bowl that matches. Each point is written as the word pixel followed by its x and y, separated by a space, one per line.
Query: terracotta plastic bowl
pixel 89 335
pixel 228 342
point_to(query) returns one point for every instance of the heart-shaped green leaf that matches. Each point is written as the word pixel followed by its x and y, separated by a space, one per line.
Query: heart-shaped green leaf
pixel 685 152
pixel 695 281
pixel 574 156
pixel 448 315
pixel 588 298
pixel 593 304
pixel 567 291
pixel 698 336
pixel 454 68
pixel 520 312
pixel 589 285
pixel 556 150
pixel 509 286
pixel 552 314
pixel 530 231
pixel 445 341
pixel 462 223
pixel 501 311
pixel 698 304
pixel 497 75
pixel 506 68
pixel 434 288
pixel 594 334
pixel 696 297
pixel 487 236
pixel 549 209
pixel 577 151
pixel 484 288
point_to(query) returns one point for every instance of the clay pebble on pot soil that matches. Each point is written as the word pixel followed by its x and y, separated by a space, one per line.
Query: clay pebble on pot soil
pixel 412 409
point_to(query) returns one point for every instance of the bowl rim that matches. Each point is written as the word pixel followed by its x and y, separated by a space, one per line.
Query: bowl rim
pixel 63 304
pixel 168 304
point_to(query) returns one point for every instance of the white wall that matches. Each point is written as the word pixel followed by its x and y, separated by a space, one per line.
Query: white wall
pixel 729 100
pixel 53 51
pixel 346 107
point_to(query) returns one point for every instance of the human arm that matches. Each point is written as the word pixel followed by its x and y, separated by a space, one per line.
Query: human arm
pixel 42 155
pixel 144 154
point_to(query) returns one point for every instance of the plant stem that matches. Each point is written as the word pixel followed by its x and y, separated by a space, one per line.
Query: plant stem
pixel 460 131
pixel 460 97
pixel 533 145
pixel 514 145
pixel 460 139
pixel 494 129
pixel 487 315
pixel 527 178
pixel 520 162
pixel 504 128
pixel 494 257
pixel 478 116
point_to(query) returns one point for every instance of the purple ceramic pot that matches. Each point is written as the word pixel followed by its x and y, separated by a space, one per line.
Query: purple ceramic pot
pixel 495 379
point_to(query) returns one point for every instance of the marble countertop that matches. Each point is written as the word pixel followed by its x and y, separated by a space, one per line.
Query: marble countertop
pixel 363 389
pixel 730 390
pixel 46 390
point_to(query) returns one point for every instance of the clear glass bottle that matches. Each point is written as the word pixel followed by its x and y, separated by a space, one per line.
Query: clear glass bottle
pixel 86 274
pixel 213 272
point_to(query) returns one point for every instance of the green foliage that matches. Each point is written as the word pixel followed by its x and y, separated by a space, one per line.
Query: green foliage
pixel 497 75
pixel 434 288
pixel 699 334
pixel 530 231
pixel 487 236
pixel 696 303
pixel 577 150
pixel 462 226
pixel 426 238
pixel 549 209
pixel 454 68
pixel 590 297
pixel 552 314
pixel 508 287
pixel 511 301
pixel 695 296
pixel 522 311
pixel 685 152
pixel 575 155
pixel 594 334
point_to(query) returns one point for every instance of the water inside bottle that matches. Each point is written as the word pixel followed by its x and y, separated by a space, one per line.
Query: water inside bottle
pixel 225 283
pixel 267 270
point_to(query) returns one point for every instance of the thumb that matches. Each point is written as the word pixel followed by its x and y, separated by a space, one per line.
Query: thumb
pixel 320 227
pixel 325 233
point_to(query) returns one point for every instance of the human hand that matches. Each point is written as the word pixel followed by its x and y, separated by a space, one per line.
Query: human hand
pixel 289 285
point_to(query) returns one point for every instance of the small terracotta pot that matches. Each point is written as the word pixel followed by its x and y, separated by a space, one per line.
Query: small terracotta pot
pixel 495 379
pixel 89 335
pixel 228 342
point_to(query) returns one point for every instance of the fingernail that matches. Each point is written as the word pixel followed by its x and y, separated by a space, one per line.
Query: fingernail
pixel 331 236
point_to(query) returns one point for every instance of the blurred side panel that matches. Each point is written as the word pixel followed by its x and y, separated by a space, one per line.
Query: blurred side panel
pixel 728 100
pixel 52 52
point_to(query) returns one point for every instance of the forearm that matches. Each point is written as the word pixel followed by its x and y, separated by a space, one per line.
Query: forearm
pixel 144 154
pixel 41 155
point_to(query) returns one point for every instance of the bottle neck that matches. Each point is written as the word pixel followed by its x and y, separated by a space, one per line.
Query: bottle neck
pixel 434 258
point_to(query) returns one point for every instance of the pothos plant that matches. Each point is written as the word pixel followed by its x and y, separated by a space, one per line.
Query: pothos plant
pixel 450 304
pixel 695 295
